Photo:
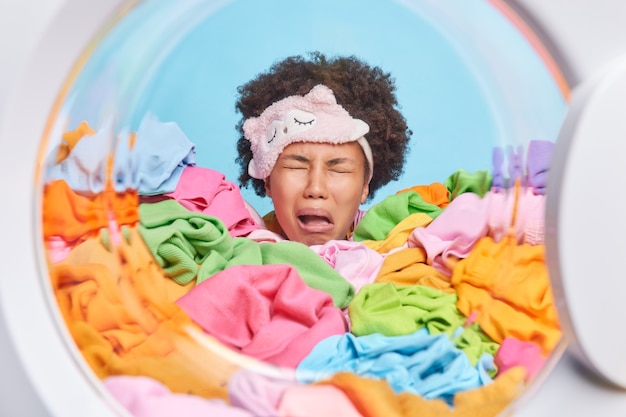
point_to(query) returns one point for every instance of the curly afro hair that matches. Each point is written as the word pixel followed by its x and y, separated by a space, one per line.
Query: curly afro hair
pixel 366 92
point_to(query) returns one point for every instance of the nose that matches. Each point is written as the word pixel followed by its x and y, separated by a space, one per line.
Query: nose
pixel 316 186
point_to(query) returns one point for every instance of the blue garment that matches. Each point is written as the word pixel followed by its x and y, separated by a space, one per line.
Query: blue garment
pixel 418 363
pixel 161 153
pixel 85 168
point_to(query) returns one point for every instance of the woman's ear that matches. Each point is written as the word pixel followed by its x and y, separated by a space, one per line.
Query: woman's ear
pixel 365 192
pixel 268 189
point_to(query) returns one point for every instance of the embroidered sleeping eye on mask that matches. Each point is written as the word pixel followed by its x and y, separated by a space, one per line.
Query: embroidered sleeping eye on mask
pixel 315 117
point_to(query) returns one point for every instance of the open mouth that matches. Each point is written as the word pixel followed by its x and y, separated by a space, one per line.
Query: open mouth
pixel 315 223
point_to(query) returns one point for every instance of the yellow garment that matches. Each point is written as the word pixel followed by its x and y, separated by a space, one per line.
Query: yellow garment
pixel 399 235
pixel 375 398
pixel 119 308
pixel 507 288
pixel 408 267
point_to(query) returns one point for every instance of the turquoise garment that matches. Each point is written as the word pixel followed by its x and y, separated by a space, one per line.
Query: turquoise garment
pixel 462 181
pixel 189 245
pixel 381 218
pixel 418 363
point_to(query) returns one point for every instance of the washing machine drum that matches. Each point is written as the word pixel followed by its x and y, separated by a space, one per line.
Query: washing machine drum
pixel 158 288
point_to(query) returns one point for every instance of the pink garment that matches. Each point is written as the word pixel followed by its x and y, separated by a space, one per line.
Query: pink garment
pixel 529 224
pixel 452 235
pixel 264 235
pixel 316 401
pixel 146 397
pixel 207 191
pixel 260 394
pixel 58 248
pixel 264 311
pixel 357 263
pixel 514 352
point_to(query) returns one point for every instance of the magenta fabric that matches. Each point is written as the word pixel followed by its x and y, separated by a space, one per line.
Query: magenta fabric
pixel 357 263
pixel 451 235
pixel 146 397
pixel 514 352
pixel 207 191
pixel 264 311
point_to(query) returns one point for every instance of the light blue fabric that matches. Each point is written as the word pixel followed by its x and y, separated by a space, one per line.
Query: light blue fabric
pixel 418 363
pixel 153 166
pixel 84 169
pixel 162 151
pixel 125 175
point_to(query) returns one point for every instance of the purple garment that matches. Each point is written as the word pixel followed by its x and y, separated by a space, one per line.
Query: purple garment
pixel 498 182
pixel 538 163
pixel 146 397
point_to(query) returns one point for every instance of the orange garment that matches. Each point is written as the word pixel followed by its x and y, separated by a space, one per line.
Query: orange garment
pixel 119 308
pixel 435 193
pixel 399 235
pixel 71 138
pixel 375 398
pixel 507 288
pixel 408 267
pixel 75 217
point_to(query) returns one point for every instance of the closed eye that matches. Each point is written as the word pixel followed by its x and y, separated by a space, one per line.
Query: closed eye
pixel 303 123
pixel 273 137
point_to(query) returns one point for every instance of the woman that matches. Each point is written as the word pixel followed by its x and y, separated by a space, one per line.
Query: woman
pixel 319 136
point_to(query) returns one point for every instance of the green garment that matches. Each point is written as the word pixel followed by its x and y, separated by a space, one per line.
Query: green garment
pixel 394 310
pixel 381 218
pixel 463 182
pixel 180 239
pixel 190 245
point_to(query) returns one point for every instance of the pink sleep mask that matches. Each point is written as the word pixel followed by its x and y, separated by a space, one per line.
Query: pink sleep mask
pixel 315 117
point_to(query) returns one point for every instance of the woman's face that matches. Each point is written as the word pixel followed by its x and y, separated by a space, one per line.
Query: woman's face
pixel 316 189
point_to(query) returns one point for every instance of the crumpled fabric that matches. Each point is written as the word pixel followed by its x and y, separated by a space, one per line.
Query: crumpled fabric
pixel 453 234
pixel 160 154
pixel 207 191
pixel 357 263
pixel 192 246
pixel 266 312
pixel 419 363
pixel 407 266
pixel 381 218
pixel 506 288
pixel 434 193
pixel 461 181
pixel 259 392
pixel 147 397
pixel 84 167
pixel 375 398
pixel 393 310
